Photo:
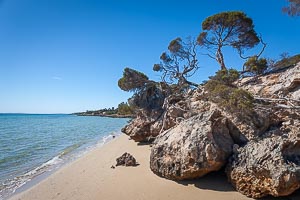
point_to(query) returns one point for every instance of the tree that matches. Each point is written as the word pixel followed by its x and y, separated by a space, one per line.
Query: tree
pixel 124 109
pixel 255 65
pixel 233 29
pixel 132 80
pixel 293 9
pixel 148 94
pixel 180 63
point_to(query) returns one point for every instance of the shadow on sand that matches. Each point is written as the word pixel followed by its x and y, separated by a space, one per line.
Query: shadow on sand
pixel 217 181
pixel 212 181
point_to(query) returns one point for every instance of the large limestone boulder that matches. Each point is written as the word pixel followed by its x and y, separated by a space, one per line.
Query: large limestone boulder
pixel 193 148
pixel 249 126
pixel 150 123
pixel 144 127
pixel 270 166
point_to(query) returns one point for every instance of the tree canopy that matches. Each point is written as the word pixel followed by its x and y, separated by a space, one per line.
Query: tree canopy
pixel 256 66
pixel 233 29
pixel 132 80
pixel 293 9
pixel 148 94
pixel 179 63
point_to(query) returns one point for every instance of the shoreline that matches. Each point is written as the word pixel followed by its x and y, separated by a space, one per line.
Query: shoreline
pixel 97 114
pixel 45 170
pixel 91 177
pixel 110 116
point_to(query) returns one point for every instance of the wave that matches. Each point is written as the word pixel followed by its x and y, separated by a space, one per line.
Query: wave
pixel 70 153
pixel 11 185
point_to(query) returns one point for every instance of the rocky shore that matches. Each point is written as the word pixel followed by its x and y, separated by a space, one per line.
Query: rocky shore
pixel 193 136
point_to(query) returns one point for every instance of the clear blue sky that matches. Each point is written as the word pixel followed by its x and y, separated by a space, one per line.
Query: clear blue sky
pixel 63 56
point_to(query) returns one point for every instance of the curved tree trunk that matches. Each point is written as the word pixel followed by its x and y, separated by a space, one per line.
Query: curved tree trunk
pixel 220 58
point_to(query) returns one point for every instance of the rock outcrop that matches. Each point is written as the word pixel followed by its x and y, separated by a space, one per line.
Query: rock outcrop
pixel 126 160
pixel 275 85
pixel 193 148
pixel 270 166
pixel 194 136
pixel 145 127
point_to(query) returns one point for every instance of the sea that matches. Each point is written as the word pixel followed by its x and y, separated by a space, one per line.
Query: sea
pixel 32 145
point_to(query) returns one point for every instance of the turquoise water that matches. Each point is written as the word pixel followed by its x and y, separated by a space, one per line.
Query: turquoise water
pixel 31 144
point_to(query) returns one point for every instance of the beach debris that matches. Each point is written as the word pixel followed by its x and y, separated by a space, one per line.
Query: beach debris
pixel 126 160
pixel 195 147
pixel 267 167
pixel 113 167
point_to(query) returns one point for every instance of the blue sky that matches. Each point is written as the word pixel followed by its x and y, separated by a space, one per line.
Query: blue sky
pixel 63 56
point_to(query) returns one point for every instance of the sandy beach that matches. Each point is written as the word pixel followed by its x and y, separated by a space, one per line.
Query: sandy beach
pixel 91 177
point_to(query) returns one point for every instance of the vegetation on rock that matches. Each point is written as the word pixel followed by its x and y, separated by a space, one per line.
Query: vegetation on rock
pixel 287 61
pixel 221 91
pixel 256 66
pixel 196 130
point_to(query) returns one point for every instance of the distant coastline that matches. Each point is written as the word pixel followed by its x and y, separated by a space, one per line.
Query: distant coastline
pixel 97 114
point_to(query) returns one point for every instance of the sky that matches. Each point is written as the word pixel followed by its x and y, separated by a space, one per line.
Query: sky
pixel 65 56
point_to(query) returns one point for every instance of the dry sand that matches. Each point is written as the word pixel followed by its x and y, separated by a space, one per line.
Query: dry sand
pixel 92 178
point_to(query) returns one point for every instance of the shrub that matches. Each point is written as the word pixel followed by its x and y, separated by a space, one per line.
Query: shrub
pixel 232 99
pixel 256 66
pixel 226 77
pixel 287 61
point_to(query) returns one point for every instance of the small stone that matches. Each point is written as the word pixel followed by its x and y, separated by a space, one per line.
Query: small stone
pixel 126 160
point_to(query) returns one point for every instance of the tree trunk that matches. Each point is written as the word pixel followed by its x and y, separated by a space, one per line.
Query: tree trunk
pixel 182 81
pixel 220 58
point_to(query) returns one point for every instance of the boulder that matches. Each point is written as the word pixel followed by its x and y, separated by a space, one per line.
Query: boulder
pixel 145 126
pixel 126 160
pixel 193 148
pixel 270 166
pixel 249 126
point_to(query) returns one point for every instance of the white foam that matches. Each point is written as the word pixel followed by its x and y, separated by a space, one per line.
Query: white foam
pixel 10 186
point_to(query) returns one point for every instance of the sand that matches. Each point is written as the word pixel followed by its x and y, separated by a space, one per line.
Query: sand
pixel 92 178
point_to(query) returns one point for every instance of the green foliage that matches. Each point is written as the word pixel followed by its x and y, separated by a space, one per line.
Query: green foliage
pixel 255 65
pixel 226 77
pixel 293 9
pixel 221 91
pixel 148 94
pixel 101 112
pixel 125 109
pixel 150 97
pixel 287 61
pixel 132 80
pixel 233 29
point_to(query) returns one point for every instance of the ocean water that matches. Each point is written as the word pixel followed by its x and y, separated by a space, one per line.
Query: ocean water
pixel 34 144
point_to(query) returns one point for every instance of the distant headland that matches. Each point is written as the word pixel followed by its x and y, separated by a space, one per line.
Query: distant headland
pixel 123 111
